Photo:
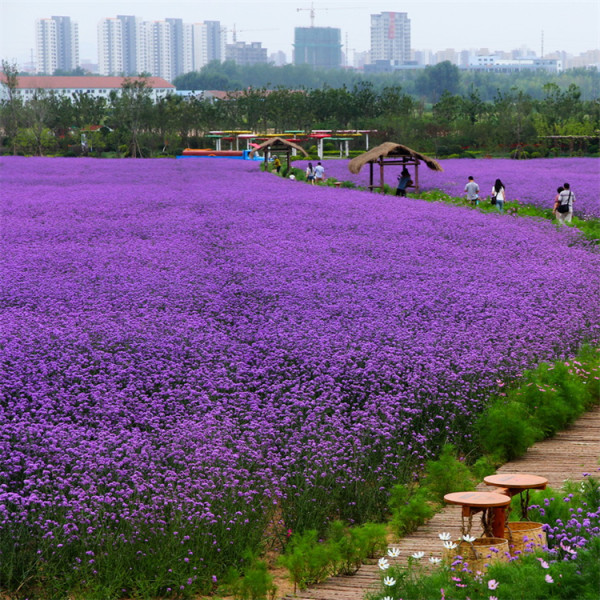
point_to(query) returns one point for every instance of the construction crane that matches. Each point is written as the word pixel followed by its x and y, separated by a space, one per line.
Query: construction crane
pixel 312 11
pixel 235 31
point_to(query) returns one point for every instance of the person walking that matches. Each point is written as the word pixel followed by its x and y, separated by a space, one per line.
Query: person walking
pixel 319 172
pixel 499 194
pixel 472 190
pixel 403 182
pixel 277 164
pixel 559 189
pixel 310 174
pixel 564 208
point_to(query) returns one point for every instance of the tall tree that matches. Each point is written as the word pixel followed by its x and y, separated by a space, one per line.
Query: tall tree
pixel 131 112
pixel 11 105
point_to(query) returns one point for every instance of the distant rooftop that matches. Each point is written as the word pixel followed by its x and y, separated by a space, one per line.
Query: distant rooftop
pixel 61 82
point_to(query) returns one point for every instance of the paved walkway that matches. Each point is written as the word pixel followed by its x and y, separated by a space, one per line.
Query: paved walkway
pixel 565 457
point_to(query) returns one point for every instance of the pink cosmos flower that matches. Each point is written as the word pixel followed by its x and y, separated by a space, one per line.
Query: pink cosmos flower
pixel 492 584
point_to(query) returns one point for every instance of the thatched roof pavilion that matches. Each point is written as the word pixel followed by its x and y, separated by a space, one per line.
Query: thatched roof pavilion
pixel 388 154
pixel 278 145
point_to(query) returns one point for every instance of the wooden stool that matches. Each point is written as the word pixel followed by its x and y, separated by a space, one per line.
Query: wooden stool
pixel 491 506
pixel 512 484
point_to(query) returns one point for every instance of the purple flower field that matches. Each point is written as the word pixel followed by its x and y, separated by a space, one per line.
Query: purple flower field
pixel 191 348
pixel 529 181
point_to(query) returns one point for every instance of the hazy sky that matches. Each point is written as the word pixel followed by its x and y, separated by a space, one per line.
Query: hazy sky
pixel 571 25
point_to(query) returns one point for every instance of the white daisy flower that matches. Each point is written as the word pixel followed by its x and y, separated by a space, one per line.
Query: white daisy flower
pixel 389 581
pixel 450 545
pixel 445 536
pixel 434 560
pixel 383 564
pixel 418 555
pixel 393 552
pixel 469 538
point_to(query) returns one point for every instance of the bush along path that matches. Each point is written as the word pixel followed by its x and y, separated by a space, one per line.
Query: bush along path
pixel 567 458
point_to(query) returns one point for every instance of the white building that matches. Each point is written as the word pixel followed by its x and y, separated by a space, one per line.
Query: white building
pixel 390 37
pixel 57 44
pixel 127 45
pixel 110 47
pixel 500 65
pixel 69 86
pixel 200 46
pixel 158 39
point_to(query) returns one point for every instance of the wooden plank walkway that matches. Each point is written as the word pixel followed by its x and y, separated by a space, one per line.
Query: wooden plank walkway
pixel 565 457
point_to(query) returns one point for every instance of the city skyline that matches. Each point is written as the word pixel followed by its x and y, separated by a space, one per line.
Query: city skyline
pixel 574 28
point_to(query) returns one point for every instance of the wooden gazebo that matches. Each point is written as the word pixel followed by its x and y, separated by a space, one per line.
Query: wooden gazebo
pixel 389 154
pixel 278 146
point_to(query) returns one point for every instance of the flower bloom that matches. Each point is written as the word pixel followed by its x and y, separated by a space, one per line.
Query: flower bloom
pixel 418 555
pixel 450 545
pixel 383 564
pixel 389 581
pixel 469 538
pixel 445 536
pixel 434 560
pixel 393 552
pixel 548 578
pixel 492 584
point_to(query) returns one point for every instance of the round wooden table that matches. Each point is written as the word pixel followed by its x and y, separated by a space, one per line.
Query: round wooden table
pixel 512 484
pixel 492 507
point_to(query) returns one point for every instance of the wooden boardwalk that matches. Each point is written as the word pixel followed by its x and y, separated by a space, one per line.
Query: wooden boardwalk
pixel 565 457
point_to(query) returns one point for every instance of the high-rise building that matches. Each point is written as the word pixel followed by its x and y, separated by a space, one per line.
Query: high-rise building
pixel 57 44
pixel 215 41
pixel 242 53
pixel 278 58
pixel 129 46
pixel 177 46
pixel 319 47
pixel 110 47
pixel 390 38
pixel 133 50
pixel 158 38
pixel 199 46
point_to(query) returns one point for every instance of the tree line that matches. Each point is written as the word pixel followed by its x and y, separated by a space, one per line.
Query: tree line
pixel 458 122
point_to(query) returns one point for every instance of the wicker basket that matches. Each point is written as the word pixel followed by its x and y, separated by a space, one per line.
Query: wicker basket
pixel 480 553
pixel 523 535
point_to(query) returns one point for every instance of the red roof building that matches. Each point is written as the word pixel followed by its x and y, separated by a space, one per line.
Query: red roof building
pixel 27 85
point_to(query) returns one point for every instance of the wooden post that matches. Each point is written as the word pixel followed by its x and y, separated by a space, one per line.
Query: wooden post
pixel 371 175
pixel 498 521
pixel 381 175
pixel 417 176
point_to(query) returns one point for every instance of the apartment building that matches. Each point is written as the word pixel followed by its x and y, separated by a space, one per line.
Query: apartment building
pixel 57 44
pixel 319 47
pixel 129 46
pixel 390 38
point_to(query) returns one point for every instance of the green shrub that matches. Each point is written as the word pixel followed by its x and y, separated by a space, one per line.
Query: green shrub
pixel 447 474
pixel 505 431
pixel 554 398
pixel 308 560
pixel 256 584
pixel 354 545
pixel 410 507
pixel 484 466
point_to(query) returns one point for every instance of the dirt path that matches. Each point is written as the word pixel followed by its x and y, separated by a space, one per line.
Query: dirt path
pixel 565 457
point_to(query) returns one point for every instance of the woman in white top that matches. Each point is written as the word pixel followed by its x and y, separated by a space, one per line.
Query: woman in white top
pixel 499 193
